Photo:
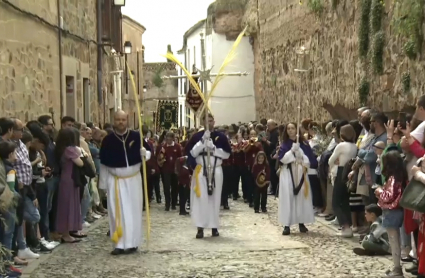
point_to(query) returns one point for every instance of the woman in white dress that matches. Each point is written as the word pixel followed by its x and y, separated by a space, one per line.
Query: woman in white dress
pixel 295 198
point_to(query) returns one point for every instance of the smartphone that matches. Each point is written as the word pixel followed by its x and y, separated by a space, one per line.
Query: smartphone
pixel 402 119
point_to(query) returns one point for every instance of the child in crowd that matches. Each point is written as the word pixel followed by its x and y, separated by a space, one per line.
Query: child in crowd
pixel 261 175
pixel 376 242
pixel 389 197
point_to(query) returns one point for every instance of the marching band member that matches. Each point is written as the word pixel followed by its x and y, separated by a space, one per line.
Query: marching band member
pixel 252 148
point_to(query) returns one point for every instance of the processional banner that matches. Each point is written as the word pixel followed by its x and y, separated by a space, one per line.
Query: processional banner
pixel 167 114
pixel 193 99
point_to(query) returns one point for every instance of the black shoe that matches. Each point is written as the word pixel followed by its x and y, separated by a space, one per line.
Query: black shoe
pixel 286 231
pixel 117 251
pixel 200 233
pixel 131 250
pixel 167 208
pixel 108 233
pixel 215 232
pixel 226 207
pixel 256 211
pixel 362 252
pixel 412 267
pixel 173 207
pixel 183 213
pixel 251 205
pixel 303 228
pixel 407 259
pixel 264 210
pixel 330 217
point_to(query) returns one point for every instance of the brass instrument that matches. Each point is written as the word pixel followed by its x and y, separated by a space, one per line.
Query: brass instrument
pixel 252 141
pixel 161 157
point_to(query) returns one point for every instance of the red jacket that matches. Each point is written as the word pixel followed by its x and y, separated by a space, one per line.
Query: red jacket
pixel 172 153
pixel 152 163
pixel 184 174
pixel 261 169
pixel 251 152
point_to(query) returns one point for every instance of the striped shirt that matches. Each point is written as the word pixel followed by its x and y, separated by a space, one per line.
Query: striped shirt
pixel 23 164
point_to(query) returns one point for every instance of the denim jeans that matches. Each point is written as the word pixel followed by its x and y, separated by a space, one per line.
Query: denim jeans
pixel 85 203
pixel 52 186
pixel 31 215
pixel 8 227
pixel 42 197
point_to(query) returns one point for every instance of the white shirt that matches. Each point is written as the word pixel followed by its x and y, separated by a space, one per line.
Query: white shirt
pixel 344 152
pixel 418 133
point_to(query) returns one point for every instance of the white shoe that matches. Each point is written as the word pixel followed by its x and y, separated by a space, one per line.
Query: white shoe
pixel 347 233
pixel 27 254
pixel 54 243
pixel 96 216
pixel 86 224
pixel 334 222
pixel 49 245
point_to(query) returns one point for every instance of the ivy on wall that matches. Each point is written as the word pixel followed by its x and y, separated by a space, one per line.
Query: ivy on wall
pixel 408 23
pixel 378 52
pixel 377 10
pixel 157 78
pixel 364 28
pixel 317 6
pixel 405 81
pixel 363 91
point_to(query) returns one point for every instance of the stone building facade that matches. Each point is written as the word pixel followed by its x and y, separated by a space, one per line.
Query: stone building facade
pixel 30 52
pixel 132 31
pixel 338 74
pixel 157 90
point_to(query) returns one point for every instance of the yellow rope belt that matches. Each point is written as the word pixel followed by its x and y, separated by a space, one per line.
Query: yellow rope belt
pixel 118 225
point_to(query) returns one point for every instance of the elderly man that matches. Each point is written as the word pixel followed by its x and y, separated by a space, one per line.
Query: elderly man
pixel 121 159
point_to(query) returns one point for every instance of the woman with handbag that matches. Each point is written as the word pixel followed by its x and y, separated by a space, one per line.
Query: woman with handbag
pixel 68 217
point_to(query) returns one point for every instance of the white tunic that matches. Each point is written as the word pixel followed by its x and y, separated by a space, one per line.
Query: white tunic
pixel 205 209
pixel 130 194
pixel 294 209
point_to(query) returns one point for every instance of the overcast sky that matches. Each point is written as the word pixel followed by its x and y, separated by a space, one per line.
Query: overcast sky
pixel 165 21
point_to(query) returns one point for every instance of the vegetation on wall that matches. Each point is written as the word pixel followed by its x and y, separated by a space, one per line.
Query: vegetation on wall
pixel 377 10
pixel 408 21
pixel 157 78
pixel 316 6
pixel 363 91
pixel 378 52
pixel 364 28
pixel 405 81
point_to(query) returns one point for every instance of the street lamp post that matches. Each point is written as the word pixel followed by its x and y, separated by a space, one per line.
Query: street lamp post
pixel 127 50
pixel 120 3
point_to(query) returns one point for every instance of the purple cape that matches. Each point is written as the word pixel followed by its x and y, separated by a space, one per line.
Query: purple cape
pixel 112 153
pixel 286 146
pixel 219 139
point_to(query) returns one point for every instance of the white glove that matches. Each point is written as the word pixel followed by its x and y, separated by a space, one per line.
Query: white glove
pixel 143 151
pixel 207 135
pixel 295 147
pixel 209 144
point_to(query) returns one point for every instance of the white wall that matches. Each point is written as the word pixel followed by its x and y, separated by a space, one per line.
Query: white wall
pixel 234 99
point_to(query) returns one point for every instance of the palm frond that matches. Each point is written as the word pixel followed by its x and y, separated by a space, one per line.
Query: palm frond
pixel 229 58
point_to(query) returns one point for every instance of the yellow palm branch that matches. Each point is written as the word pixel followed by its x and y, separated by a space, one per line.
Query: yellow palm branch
pixel 229 58
pixel 192 81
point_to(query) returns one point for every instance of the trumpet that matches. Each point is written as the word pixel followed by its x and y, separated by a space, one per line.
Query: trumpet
pixel 252 141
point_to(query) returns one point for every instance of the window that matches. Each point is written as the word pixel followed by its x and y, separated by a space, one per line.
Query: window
pixel 86 100
pixel 194 55
pixel 106 19
pixel 181 115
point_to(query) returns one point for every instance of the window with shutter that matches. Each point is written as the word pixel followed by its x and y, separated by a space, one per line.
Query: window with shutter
pixel 106 19
pixel 116 35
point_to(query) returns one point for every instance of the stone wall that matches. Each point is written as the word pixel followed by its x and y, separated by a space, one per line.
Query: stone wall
pixel 132 31
pixel 168 90
pixel 330 89
pixel 29 59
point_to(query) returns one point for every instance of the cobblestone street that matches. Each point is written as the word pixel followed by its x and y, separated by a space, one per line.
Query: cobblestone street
pixel 250 245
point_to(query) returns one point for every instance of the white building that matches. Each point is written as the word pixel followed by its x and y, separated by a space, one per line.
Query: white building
pixel 234 99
